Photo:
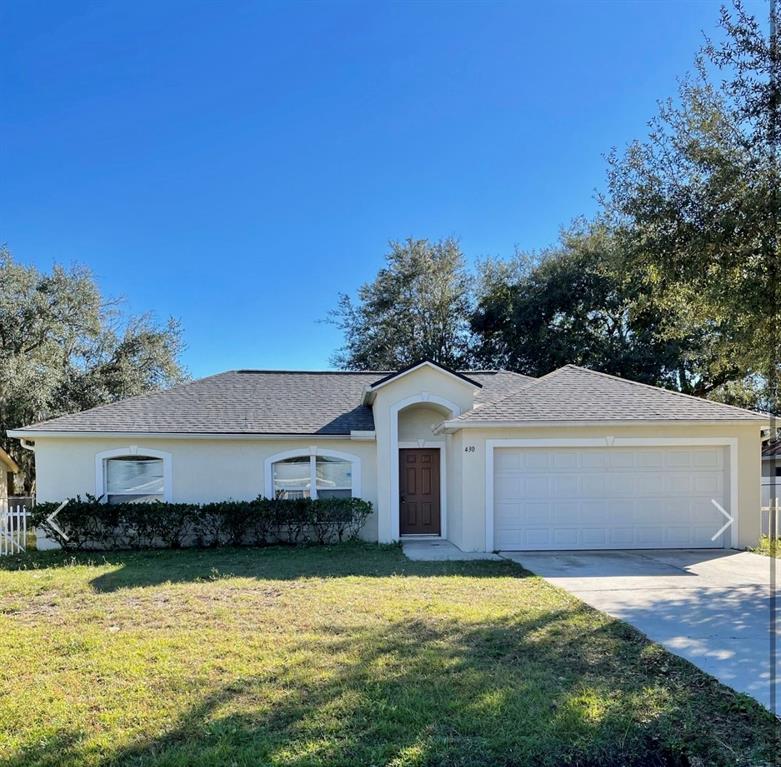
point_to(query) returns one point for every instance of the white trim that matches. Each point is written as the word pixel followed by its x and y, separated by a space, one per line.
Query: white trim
pixel 133 450
pixel 363 435
pixel 454 425
pixel 34 434
pixel 610 441
pixel 312 452
pixel 393 415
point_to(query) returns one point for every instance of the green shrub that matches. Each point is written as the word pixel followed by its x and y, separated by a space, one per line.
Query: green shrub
pixel 91 524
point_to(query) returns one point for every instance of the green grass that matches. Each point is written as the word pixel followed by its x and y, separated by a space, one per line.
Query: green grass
pixel 346 655
pixel 764 547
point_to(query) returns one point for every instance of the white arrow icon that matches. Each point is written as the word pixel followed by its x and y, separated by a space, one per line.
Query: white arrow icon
pixel 50 520
pixel 729 521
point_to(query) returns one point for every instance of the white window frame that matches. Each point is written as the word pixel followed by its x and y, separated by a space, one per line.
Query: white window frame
pixel 312 453
pixel 132 451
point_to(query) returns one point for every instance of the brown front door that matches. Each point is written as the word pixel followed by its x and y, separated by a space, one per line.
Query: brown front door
pixel 419 491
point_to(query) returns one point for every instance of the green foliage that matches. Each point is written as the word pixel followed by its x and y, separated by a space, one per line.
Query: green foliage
pixel 768 546
pixel 90 524
pixel 417 307
pixel 574 304
pixel 697 204
pixel 65 348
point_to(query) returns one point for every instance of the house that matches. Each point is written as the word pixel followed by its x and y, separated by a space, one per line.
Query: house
pixel 771 474
pixel 8 468
pixel 488 460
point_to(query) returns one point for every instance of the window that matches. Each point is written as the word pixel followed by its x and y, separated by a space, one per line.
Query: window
pixel 293 478
pixel 134 479
pixel 334 478
pixel 778 471
pixel 313 476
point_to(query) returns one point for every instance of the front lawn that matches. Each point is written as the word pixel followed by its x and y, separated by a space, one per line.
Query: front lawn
pixel 346 655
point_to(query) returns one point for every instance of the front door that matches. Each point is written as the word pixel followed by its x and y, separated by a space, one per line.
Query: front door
pixel 419 491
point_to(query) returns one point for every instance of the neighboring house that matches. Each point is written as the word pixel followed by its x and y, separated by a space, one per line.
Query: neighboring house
pixel 771 472
pixel 486 459
pixel 8 468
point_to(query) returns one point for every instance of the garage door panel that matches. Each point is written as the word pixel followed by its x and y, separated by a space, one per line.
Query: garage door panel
pixel 536 486
pixel 620 459
pixel 538 536
pixel 622 537
pixel 509 487
pixel 565 460
pixel 650 459
pixel 704 484
pixel 538 460
pixel 507 460
pixel 709 459
pixel 593 485
pixel 564 513
pixel 596 459
pixel 566 537
pixel 678 459
pixel 593 513
pixel 601 498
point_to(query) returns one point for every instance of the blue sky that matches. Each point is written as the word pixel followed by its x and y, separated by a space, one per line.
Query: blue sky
pixel 238 164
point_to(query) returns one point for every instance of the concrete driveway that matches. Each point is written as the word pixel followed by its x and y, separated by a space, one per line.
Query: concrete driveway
pixel 710 607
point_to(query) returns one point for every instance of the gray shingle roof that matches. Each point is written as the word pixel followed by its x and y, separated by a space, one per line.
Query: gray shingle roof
pixel 254 402
pixel 573 393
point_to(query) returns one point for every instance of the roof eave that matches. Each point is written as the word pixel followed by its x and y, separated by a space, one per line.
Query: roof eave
pixel 53 434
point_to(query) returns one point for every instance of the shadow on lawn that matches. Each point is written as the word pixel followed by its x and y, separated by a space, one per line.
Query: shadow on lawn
pixel 153 567
pixel 550 690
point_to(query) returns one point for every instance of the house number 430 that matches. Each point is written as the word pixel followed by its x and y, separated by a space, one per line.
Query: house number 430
pixel 469 449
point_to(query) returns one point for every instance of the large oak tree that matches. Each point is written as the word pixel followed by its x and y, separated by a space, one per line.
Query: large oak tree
pixel 417 307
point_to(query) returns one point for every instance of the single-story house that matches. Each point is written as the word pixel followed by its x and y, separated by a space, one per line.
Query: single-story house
pixel 486 459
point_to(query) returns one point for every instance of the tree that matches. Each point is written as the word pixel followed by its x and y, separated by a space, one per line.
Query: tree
pixel 64 348
pixel 417 307
pixel 697 204
pixel 577 304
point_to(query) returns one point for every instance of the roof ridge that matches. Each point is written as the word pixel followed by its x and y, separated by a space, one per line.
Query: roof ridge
pixel 527 385
pixel 659 388
pixel 307 372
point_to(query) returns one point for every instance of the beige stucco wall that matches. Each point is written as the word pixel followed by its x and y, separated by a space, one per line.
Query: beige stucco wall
pixel 425 385
pixel 203 470
pixel 416 422
pixel 473 474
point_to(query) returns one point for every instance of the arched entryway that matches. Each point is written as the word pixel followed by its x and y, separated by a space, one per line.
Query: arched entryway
pixel 419 466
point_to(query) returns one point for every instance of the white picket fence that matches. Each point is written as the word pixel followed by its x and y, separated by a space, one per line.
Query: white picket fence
pixel 13 527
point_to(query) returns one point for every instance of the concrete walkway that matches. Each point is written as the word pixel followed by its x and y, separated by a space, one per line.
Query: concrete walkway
pixel 429 550
pixel 710 607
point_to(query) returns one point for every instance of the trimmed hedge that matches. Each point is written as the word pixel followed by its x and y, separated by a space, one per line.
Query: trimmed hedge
pixel 90 524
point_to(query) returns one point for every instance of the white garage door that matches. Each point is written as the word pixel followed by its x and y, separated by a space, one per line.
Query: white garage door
pixel 609 497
